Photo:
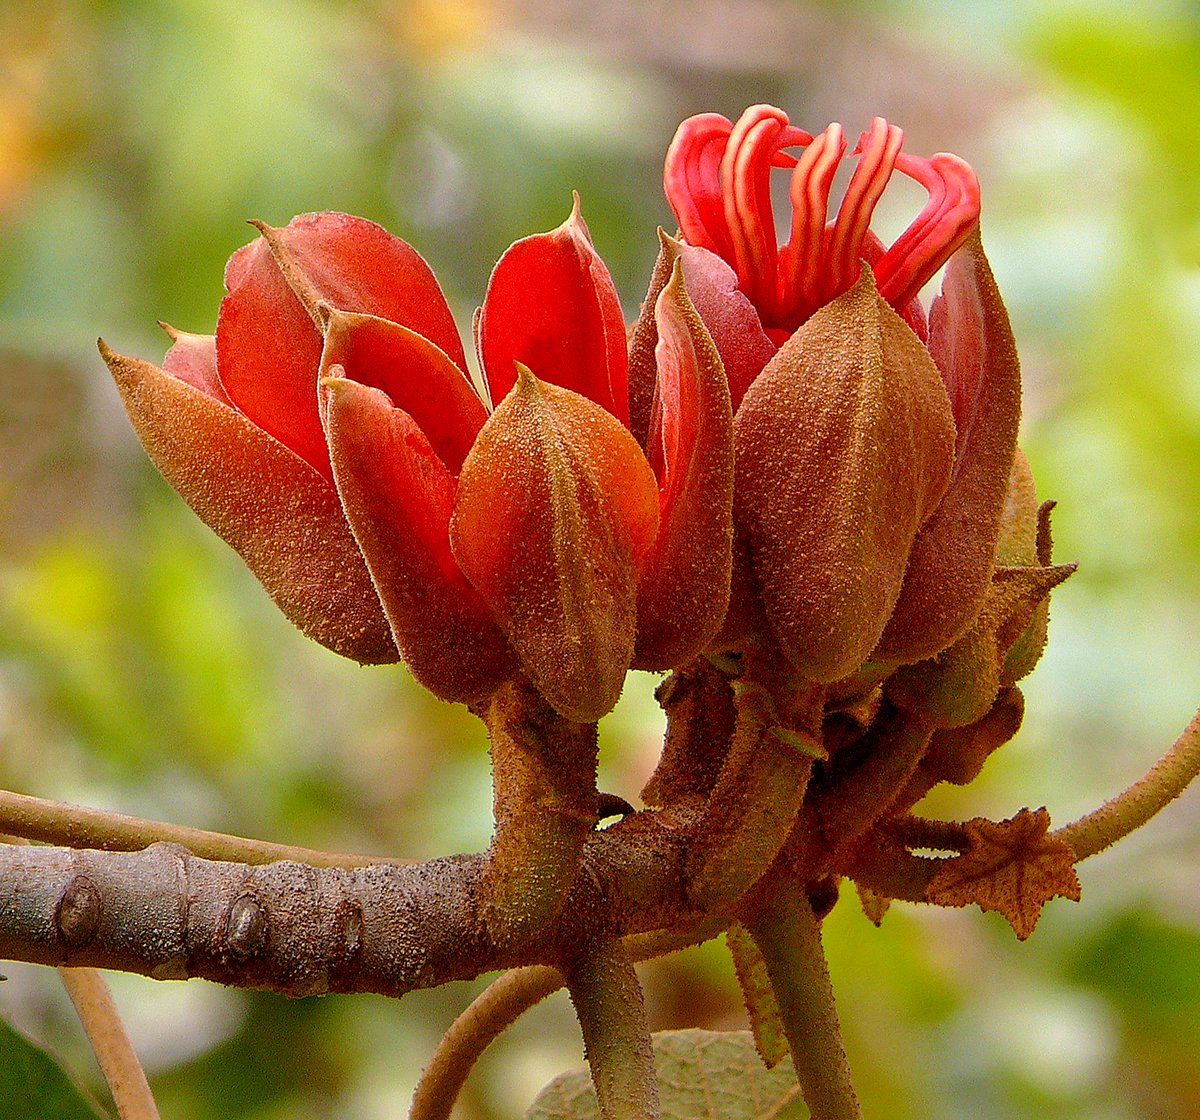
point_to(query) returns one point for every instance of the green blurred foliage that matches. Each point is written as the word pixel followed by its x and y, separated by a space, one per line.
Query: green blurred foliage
pixel 142 669
pixel 32 1083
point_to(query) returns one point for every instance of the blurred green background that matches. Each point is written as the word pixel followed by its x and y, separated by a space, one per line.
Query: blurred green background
pixel 142 669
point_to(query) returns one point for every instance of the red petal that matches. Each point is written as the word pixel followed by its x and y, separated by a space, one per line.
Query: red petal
pixel 398 495
pixel 356 265
pixel 266 502
pixel 556 510
pixel 268 344
pixel 684 590
pixel 730 318
pixel 950 569
pixel 551 305
pixel 193 358
pixel 268 351
pixel 418 377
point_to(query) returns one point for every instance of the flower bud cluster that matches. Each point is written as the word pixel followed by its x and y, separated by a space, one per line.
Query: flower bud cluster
pixel 784 451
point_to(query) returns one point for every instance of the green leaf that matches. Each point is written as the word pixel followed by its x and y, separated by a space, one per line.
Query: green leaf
pixel 766 1022
pixel 702 1075
pixel 34 1086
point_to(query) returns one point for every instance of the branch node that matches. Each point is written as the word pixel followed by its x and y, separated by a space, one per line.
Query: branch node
pixel 246 928
pixel 77 915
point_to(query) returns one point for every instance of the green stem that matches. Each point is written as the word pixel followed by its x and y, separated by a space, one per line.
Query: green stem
pixel 616 1039
pixel 788 934
pixel 1156 789
pixel 73 826
pixel 102 1022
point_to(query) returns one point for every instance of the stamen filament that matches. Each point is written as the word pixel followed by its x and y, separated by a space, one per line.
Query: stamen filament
pixel 692 181
pixel 937 232
pixel 746 182
pixel 878 150
pixel 803 259
pixel 717 178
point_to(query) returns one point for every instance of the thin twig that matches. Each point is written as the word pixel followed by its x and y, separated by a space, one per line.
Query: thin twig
pixel 74 826
pixel 110 1043
pixel 495 1009
pixel 1131 809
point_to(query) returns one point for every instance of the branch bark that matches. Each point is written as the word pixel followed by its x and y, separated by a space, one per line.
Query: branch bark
pixel 302 930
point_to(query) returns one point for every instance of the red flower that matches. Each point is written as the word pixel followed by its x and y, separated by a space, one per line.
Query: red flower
pixel 332 434
pixel 873 446
pixel 717 179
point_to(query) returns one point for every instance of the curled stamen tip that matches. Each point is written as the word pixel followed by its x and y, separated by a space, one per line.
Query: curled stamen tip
pixel 793 137
pixel 832 133
pixel 953 168
pixel 761 112
pixel 878 136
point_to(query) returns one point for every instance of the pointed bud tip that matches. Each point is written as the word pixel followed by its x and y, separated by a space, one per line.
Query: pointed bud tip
pixel 527 380
pixel 575 226
pixel 326 314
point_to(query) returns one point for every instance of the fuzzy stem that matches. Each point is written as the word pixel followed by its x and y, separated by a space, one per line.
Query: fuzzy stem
pixel 788 934
pixel 1156 789
pixel 852 804
pixel 750 812
pixel 73 826
pixel 102 1022
pixel 507 998
pixel 545 807
pixel 616 1038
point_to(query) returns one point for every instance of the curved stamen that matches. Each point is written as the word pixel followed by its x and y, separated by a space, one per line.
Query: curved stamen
pixel 802 263
pixel 692 181
pixel 942 226
pixel 878 149
pixel 746 180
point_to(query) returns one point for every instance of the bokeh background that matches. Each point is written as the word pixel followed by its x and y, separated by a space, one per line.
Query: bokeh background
pixel 142 669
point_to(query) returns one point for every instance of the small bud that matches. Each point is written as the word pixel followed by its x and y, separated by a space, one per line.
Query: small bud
pixel 555 513
pixel 844 447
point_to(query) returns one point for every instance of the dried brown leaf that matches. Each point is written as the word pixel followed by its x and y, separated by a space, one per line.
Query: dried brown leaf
pixel 1014 867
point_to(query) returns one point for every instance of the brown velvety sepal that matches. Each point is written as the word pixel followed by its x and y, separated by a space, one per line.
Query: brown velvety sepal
pixel 948 573
pixel 555 512
pixel 271 506
pixel 683 592
pixel 844 446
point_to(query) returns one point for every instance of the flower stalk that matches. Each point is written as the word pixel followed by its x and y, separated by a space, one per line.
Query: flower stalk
pixel 788 934
pixel 545 807
pixel 79 826
pixel 102 1022
pixel 616 1039
pixel 1133 807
